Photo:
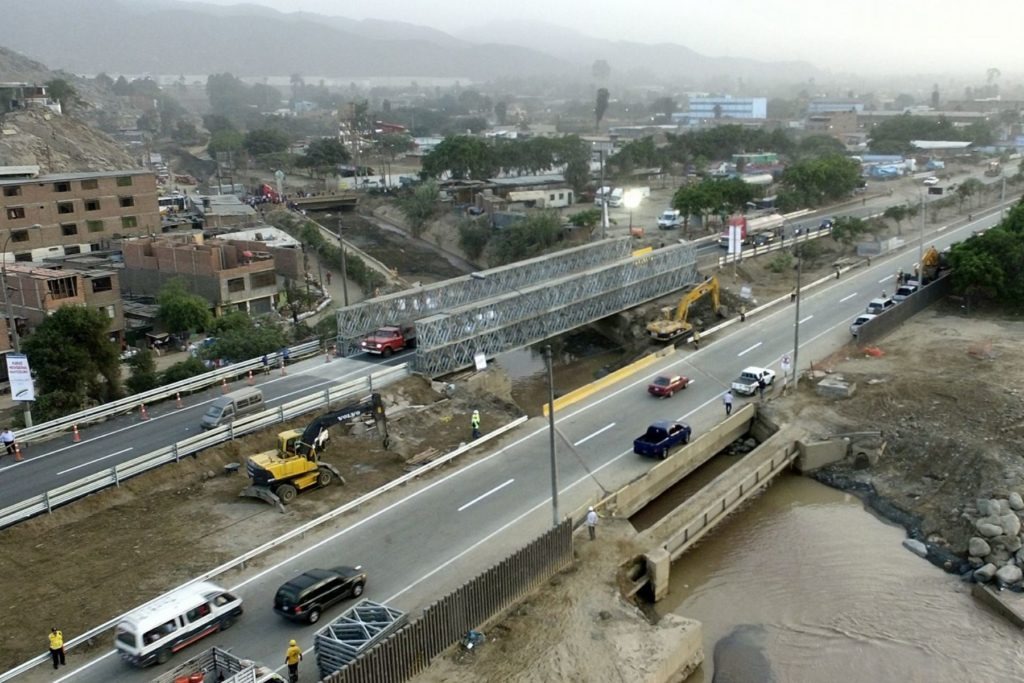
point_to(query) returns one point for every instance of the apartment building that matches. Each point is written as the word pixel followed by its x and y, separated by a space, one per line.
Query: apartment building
pixel 44 216
pixel 227 275
pixel 712 108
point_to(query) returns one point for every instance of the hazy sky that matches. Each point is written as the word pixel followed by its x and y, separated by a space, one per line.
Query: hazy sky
pixel 861 36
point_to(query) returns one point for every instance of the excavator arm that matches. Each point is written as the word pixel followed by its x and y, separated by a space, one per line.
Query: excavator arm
pixel 312 436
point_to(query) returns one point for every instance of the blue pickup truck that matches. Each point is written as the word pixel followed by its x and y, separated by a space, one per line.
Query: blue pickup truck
pixel 660 438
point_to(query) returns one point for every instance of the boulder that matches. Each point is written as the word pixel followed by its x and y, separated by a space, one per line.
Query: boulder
pixel 978 547
pixel 1011 543
pixel 988 530
pixel 975 562
pixel 981 505
pixel 1009 574
pixel 915 546
pixel 985 574
pixel 1010 523
pixel 1016 502
pixel 1004 506
pixel 1019 557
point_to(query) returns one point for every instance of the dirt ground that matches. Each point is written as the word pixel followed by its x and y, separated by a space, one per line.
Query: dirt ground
pixel 947 397
pixel 182 519
pixel 577 630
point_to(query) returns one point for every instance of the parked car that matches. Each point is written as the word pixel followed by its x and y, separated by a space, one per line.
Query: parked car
pixel 880 305
pixel 903 291
pixel 666 385
pixel 305 597
pixel 660 438
pixel 129 353
pixel 826 224
pixel 931 180
pixel 861 319
pixel 762 239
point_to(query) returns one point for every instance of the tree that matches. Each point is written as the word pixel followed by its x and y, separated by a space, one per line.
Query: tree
pixel 527 238
pixel 501 112
pixel 420 206
pixel 897 213
pixel 63 92
pixel 225 142
pixel 970 187
pixel 665 106
pixel 72 356
pixel 601 106
pixel 144 375
pixel 811 182
pixel 181 311
pixel 189 367
pixel 239 337
pixel 265 141
pixel 325 155
pixel 846 229
pixel 473 238
pixel 185 133
pixel 461 157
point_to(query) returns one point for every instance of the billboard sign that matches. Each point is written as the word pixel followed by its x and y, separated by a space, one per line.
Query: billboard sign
pixel 20 376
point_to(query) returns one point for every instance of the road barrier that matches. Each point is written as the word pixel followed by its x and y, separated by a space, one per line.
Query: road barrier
pixel 611 378
pixel 297 532
pixel 135 401
pixel 192 445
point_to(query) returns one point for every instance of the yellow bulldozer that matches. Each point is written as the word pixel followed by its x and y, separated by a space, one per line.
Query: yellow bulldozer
pixel 673 323
pixel 279 475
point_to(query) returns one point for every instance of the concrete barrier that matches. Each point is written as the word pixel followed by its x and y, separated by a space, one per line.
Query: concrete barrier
pixel 635 495
pixel 608 380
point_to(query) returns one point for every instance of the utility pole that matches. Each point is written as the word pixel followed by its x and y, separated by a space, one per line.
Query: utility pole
pixel 344 265
pixel 551 436
pixel 796 326
pixel 604 201
pixel 920 245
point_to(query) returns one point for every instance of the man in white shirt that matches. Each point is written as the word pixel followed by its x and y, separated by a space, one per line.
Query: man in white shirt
pixel 591 522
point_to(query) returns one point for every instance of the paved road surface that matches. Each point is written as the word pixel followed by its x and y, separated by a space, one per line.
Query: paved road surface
pixel 423 544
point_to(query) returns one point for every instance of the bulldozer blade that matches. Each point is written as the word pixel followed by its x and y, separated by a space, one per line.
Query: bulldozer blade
pixel 264 494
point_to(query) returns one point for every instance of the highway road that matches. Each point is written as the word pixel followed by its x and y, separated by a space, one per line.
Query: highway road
pixel 425 541
pixel 59 461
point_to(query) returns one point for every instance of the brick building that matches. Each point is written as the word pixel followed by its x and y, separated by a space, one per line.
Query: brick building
pixel 71 213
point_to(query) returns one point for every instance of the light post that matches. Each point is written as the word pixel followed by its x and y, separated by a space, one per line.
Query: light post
pixel 796 326
pixel 344 261
pixel 11 322
pixel 920 245
pixel 631 201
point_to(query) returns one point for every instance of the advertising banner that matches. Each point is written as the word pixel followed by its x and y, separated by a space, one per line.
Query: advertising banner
pixel 22 388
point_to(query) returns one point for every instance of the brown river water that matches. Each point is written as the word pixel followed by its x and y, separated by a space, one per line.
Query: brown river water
pixel 804 585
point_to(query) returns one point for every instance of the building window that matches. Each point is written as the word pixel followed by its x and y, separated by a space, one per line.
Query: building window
pixel 90 184
pixel 23 257
pixel 19 235
pixel 265 279
pixel 65 207
pixel 15 212
pixel 68 229
pixel 102 284
pixel 236 284
pixel 94 226
pixel 62 187
pixel 124 181
pixel 12 191
pixel 110 311
pixel 94 247
pixel 92 205
pixel 74 249
pixel 125 202
pixel 129 221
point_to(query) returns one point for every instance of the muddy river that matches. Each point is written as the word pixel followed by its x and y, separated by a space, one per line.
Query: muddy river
pixel 803 585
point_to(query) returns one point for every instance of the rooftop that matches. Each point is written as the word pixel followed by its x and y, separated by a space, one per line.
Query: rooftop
pixel 57 177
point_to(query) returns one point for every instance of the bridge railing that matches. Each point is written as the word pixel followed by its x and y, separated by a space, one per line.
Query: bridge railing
pixel 113 476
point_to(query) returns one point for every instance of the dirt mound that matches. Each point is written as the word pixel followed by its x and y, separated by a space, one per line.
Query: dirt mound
pixel 58 144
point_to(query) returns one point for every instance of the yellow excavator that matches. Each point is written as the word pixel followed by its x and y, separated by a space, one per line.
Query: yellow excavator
pixel 674 322
pixel 278 476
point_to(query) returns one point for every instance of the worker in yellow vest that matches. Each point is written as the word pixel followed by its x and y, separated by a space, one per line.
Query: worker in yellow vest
pixel 57 647
pixel 292 657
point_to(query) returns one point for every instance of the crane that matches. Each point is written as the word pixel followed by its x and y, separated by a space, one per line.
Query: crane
pixel 674 323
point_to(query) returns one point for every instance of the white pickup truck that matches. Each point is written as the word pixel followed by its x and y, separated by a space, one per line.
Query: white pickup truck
pixel 747 382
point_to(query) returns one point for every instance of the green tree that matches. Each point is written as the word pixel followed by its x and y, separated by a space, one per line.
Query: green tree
pixel 144 375
pixel 63 92
pixel 71 353
pixel 180 310
pixel 811 182
pixel 265 141
pixel 225 142
pixel 185 133
pixel 420 206
pixel 527 238
pixel 182 370
pixel 324 155
pixel 600 106
pixel 897 213
pixel 971 187
pixel 462 157
pixel 239 337
pixel 846 229
pixel 587 218
pixel 473 238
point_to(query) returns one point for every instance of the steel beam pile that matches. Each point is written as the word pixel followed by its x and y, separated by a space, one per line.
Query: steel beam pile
pixel 405 307
pixel 449 341
pixel 353 633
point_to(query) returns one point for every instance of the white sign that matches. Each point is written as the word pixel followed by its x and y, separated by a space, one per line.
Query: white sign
pixel 20 377
pixel 480 361
pixel 735 239
pixel 745 292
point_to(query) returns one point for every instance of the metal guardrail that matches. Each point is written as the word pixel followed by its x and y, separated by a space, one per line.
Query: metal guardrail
pixel 176 451
pixel 132 402
pixel 241 560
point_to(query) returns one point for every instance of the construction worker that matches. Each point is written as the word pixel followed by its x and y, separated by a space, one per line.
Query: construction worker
pixel 792 295
pixel 743 314
pixel 292 657
pixel 475 423
pixel 696 339
pixel 57 647
pixel 7 439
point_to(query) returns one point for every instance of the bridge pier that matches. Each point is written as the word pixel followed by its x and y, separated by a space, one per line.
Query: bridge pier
pixel 659 565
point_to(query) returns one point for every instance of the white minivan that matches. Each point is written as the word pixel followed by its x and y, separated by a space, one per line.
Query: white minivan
pixel 229 406
pixel 154 632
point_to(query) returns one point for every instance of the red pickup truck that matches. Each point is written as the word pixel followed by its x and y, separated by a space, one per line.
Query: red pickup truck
pixel 388 340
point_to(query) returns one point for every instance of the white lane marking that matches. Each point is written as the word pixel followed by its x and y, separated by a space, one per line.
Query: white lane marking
pixel 886 278
pixel 848 297
pixel 749 349
pixel 84 464
pixel 484 495
pixel 806 319
pixel 599 431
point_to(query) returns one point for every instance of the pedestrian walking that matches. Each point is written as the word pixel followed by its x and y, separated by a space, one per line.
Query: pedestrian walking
pixel 727 400
pixel 696 339
pixel 760 386
pixel 7 438
pixel 266 364
pixel 591 523
pixel 743 314
pixel 328 278
pixel 292 657
pixel 837 272
pixel 475 424
pixel 792 295
pixel 57 647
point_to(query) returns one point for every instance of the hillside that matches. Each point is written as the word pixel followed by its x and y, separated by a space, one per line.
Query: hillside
pixel 58 144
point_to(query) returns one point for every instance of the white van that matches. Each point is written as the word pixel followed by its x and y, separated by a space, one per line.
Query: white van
pixel 151 634
pixel 229 406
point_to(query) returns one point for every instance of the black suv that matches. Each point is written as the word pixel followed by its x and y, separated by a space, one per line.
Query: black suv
pixel 306 596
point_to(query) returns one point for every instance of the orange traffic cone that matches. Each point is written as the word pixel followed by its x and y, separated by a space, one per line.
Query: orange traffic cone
pixel 17 451
pixel 142 412
pixel 177 399
pixel 224 385
pixel 251 380
pixel 75 436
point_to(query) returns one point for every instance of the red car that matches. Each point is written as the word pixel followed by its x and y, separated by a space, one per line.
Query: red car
pixel 666 385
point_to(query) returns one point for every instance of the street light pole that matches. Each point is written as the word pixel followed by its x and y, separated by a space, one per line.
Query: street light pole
pixel 920 245
pixel 344 265
pixel 796 326
pixel 551 435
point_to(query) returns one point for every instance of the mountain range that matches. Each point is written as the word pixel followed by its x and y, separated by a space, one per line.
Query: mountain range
pixel 171 37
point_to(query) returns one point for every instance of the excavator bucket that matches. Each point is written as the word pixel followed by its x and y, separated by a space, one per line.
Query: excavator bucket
pixel 264 494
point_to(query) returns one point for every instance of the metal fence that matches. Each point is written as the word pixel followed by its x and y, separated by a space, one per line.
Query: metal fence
pixel 884 323
pixel 113 476
pixel 410 650
pixel 185 386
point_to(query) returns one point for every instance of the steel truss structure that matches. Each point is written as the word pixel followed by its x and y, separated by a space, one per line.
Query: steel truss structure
pixel 449 342
pixel 405 307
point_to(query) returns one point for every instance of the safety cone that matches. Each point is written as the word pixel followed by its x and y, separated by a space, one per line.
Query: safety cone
pixel 283 371
pixel 224 385
pixel 251 380
pixel 177 399
pixel 17 452
pixel 142 412
pixel 75 436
